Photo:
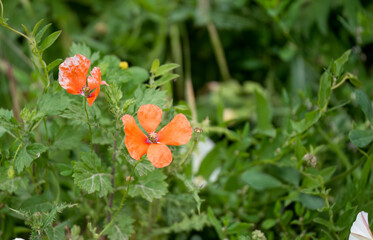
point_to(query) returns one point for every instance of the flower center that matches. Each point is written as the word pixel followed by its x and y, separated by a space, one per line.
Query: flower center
pixel 85 91
pixel 152 138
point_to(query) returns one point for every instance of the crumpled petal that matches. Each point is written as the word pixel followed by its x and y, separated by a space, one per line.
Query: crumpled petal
pixel 360 228
pixel 94 82
pixel 159 155
pixel 135 139
pixel 176 132
pixel 150 117
pixel 73 73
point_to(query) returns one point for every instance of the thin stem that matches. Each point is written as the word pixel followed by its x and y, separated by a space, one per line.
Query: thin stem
pixel 15 155
pixel 89 124
pixel 219 51
pixel 125 194
pixel 112 175
pixel 46 129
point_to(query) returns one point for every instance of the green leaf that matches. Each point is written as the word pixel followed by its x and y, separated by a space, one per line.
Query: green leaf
pixel 324 91
pixel 312 202
pixel 340 62
pixel 27 154
pixel 310 119
pixel 166 68
pixel 48 41
pixel 365 104
pixel 11 185
pixel 361 138
pixel 40 34
pixel 150 187
pixel 36 27
pixel 164 79
pixel 54 64
pixel 53 104
pixel 195 222
pixel 55 233
pixel 191 188
pixel 150 96
pixel 89 175
pixel 83 49
pixel 215 223
pixel 238 228
pixel 260 181
pixel 264 115
pixel 143 168
pixel 155 66
pixel 122 227
pixel 268 223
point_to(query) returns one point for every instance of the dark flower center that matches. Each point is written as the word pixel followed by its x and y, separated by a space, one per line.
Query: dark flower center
pixel 152 138
pixel 85 91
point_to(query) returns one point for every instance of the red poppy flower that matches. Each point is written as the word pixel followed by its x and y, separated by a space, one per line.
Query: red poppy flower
pixel 73 78
pixel 175 133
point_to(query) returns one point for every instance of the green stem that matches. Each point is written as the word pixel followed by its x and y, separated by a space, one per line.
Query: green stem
pixel 15 155
pixel 125 194
pixel 188 153
pixel 89 124
pixel 46 130
pixel 219 51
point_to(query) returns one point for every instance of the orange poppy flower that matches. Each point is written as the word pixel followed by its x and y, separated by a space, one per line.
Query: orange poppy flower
pixel 175 133
pixel 73 78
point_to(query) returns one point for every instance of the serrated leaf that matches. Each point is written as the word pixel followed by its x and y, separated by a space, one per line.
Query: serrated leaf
pixel 165 79
pixel 365 104
pixel 54 64
pixel 260 181
pixel 143 168
pixel 192 188
pixel 89 176
pixel 361 138
pixel 55 233
pixel 53 104
pixel 195 222
pixel 83 49
pixel 27 154
pixel 166 68
pixel 149 187
pixel 122 228
pixel 150 96
pixel 48 41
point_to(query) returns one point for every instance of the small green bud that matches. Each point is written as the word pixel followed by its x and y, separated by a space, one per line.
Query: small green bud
pixel 11 172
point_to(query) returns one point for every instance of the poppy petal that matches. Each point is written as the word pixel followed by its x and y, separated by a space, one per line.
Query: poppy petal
pixel 135 139
pixel 150 117
pixel 159 155
pixel 176 132
pixel 104 83
pixel 73 73
pixel 94 82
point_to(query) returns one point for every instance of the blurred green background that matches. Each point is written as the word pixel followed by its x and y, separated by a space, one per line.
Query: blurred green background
pixel 278 44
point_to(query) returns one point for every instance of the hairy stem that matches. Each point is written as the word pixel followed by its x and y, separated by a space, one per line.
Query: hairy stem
pixel 89 124
pixel 112 175
pixel 125 194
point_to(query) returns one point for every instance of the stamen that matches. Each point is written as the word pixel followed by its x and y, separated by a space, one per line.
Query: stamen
pixel 152 138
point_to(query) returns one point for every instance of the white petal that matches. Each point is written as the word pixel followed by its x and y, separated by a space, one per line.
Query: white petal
pixel 360 228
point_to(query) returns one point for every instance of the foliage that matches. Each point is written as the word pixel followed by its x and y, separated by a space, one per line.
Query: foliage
pixel 280 89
